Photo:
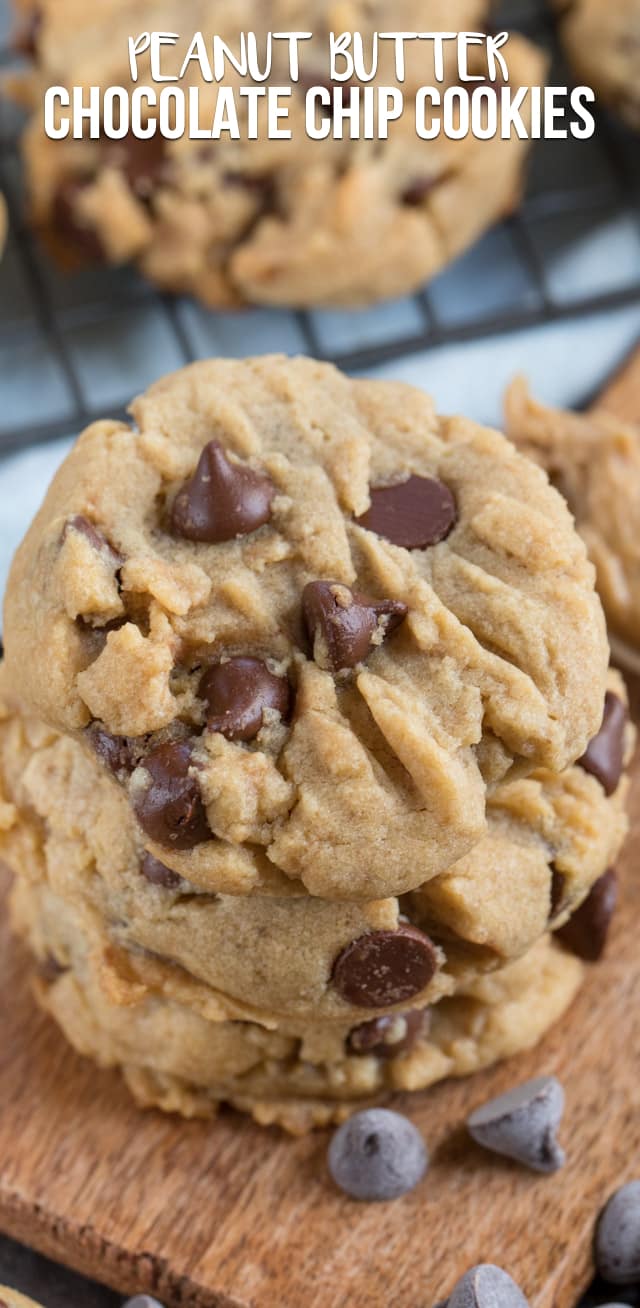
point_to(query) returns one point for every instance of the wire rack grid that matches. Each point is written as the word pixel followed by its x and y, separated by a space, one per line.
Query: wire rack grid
pixel 95 338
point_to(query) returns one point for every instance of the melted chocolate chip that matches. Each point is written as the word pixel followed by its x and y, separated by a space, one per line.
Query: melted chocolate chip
pixel 26 39
pixel 419 189
pixel 604 755
pixel 343 625
pixel 49 969
pixel 385 967
pixel 158 873
pixel 222 499
pixel 585 934
pixel 414 513
pixel 121 754
pixel 141 161
pixel 81 238
pixel 236 694
pixel 95 537
pixel 387 1037
pixel 171 810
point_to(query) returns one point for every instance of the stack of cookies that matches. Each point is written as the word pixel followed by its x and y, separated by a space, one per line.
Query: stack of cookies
pixel 307 785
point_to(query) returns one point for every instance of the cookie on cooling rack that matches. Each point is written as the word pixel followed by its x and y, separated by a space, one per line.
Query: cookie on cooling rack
pixel 293 222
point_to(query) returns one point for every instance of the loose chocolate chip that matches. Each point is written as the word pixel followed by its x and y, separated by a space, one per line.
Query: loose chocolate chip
pixel 121 754
pixel 95 537
pixel 387 1037
pixel 385 967
pixel 377 1155
pixel 522 1124
pixel 343 625
pixel 141 161
pixel 222 499
pixel 414 513
pixel 487 1286
pixel 142 1301
pixel 158 873
pixel 617 1240
pixel 170 809
pixel 604 755
pixel 585 934
pixel 237 693
pixel 80 237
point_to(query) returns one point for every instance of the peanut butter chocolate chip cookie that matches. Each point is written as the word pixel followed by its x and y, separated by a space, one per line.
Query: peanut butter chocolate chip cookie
pixel 306 625
pixel 289 222
pixel 602 41
pixel 594 460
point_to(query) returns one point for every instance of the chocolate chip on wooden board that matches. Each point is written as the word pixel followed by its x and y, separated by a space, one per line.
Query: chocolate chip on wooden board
pixel 585 934
pixel 617 1237
pixel 415 513
pixel 377 1155
pixel 486 1286
pixel 223 499
pixel 343 626
pixel 142 1301
pixel 604 755
pixel 169 806
pixel 237 692
pixel 382 968
pixel 522 1124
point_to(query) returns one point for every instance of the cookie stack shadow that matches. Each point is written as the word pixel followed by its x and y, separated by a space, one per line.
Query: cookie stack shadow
pixel 308 788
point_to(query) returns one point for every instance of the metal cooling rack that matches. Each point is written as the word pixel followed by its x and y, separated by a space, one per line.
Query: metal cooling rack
pixel 95 338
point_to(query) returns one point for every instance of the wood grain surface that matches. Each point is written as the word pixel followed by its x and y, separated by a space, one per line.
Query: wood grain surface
pixel 227 1215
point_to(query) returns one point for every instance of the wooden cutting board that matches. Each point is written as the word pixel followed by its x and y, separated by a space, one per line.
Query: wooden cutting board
pixel 227 1215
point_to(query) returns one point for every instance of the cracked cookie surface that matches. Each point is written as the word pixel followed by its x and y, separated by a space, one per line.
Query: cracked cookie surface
pixel 287 222
pixel 284 959
pixel 429 672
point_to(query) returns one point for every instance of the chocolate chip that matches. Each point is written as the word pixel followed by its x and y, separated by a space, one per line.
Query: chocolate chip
pixel 170 809
pixel 141 160
pixel 343 625
pixel 617 1240
pixel 237 693
pixel 80 238
pixel 49 969
pixel 585 934
pixel 377 1155
pixel 158 873
pixel 522 1124
pixel 385 967
pixel 95 537
pixel 487 1286
pixel 120 754
pixel 222 499
pixel 142 1301
pixel 418 190
pixel 414 513
pixel 387 1037
pixel 604 755
pixel 27 37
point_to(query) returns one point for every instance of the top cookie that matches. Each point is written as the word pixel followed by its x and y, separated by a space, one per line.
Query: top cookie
pixel 295 222
pixel 307 623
